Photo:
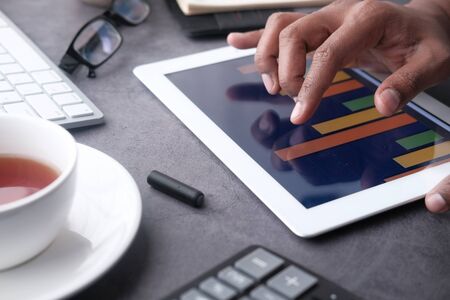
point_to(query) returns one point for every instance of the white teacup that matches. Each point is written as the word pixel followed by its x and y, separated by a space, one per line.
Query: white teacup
pixel 30 224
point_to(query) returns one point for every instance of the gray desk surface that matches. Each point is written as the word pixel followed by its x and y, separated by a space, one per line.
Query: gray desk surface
pixel 402 254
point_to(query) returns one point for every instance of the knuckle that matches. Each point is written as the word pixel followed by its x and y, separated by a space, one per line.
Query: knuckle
pixel 288 34
pixel 323 54
pixel 373 9
pixel 259 61
pixel 275 19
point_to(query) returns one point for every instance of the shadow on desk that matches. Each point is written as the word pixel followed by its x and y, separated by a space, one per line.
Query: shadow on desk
pixel 119 282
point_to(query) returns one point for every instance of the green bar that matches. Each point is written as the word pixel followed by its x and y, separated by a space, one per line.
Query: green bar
pixel 360 103
pixel 420 139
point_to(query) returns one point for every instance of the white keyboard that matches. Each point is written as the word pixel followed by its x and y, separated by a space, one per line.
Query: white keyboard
pixel 30 84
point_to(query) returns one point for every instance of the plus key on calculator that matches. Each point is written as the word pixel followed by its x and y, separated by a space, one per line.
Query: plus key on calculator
pixel 259 274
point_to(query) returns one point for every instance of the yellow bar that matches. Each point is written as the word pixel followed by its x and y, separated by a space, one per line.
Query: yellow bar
pixel 341 76
pixel 423 155
pixel 348 121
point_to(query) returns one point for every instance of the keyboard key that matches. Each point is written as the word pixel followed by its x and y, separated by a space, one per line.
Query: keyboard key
pixel 235 278
pixel 78 110
pixel 5 86
pixel 45 107
pixel 9 97
pixel 57 88
pixel 259 263
pixel 2 50
pixel 194 294
pixel 217 289
pixel 46 77
pixel 11 68
pixel 19 78
pixel 6 59
pixel 68 98
pixel 244 298
pixel 28 89
pixel 292 282
pixel 21 50
pixel 263 293
pixel 20 108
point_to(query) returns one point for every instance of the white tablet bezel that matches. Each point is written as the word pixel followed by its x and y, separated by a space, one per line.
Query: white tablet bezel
pixel 303 222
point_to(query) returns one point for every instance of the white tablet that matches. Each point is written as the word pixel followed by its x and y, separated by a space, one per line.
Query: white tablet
pixel 346 163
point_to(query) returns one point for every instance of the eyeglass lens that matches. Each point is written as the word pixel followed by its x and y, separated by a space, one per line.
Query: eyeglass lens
pixel 97 42
pixel 133 11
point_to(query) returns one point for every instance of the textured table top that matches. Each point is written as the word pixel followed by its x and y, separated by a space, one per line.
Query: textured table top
pixel 401 254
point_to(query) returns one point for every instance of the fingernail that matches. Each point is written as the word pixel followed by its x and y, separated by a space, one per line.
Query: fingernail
pixel 297 111
pixel 437 203
pixel 390 99
pixel 268 83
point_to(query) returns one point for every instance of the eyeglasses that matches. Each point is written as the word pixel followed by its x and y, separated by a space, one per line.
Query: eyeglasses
pixel 99 38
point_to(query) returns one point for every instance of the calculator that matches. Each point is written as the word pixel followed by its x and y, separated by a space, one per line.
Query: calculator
pixel 257 273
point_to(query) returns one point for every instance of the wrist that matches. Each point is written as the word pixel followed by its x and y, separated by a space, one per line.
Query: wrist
pixel 436 7
pixel 439 9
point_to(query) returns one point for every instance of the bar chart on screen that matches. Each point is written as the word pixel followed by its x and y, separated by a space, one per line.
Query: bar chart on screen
pixel 417 148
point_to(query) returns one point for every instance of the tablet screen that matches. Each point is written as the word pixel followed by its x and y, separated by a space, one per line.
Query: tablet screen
pixel 346 147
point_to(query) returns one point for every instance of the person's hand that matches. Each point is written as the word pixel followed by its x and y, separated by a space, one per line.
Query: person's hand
pixel 438 200
pixel 410 41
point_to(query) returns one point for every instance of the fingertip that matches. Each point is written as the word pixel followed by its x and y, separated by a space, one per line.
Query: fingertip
pixel 388 101
pixel 297 112
pixel 436 203
pixel 233 39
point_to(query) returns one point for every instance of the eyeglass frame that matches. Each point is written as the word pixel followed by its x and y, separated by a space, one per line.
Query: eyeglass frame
pixel 72 59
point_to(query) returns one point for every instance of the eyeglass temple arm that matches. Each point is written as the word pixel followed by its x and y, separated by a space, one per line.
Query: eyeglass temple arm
pixel 68 63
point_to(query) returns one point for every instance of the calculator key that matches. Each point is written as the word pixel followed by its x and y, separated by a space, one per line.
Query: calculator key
pixel 28 88
pixel 263 293
pixel 78 110
pixel 57 88
pixel 46 77
pixel 9 97
pixel 194 294
pixel 5 86
pixel 45 107
pixel 19 78
pixel 67 98
pixel 292 282
pixel 20 108
pixel 217 289
pixel 11 68
pixel 259 263
pixel 6 59
pixel 235 278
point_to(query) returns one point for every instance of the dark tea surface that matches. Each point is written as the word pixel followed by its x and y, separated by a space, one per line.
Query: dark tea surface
pixel 21 177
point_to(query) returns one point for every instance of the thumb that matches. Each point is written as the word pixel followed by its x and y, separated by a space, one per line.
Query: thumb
pixel 420 72
pixel 438 200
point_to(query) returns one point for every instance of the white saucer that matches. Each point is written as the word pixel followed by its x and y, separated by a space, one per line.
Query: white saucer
pixel 103 221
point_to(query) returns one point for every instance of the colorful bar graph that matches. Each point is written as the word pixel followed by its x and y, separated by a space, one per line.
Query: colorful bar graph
pixel 417 170
pixel 348 121
pixel 360 103
pixel 343 137
pixel 341 76
pixel 423 155
pixel 418 140
pixel 342 87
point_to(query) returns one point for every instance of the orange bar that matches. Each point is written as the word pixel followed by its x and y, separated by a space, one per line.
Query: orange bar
pixel 342 87
pixel 416 170
pixel 343 137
